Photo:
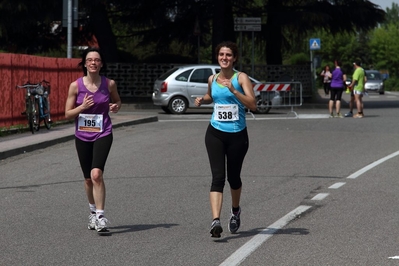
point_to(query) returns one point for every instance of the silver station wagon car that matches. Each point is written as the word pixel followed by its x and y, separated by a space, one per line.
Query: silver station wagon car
pixel 375 81
pixel 176 90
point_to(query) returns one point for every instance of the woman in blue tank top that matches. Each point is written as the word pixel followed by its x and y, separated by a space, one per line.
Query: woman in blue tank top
pixel 226 138
pixel 90 99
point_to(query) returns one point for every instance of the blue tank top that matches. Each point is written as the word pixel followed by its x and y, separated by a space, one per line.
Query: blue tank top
pixel 93 123
pixel 228 112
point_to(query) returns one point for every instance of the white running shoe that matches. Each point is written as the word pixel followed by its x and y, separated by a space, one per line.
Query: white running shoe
pixel 102 224
pixel 92 221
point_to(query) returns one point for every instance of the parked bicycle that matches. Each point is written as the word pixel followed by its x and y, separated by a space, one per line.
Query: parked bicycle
pixel 37 105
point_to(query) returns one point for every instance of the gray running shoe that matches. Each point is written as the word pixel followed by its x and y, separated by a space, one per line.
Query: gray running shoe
pixel 339 115
pixel 234 222
pixel 92 221
pixel 349 114
pixel 216 229
pixel 102 224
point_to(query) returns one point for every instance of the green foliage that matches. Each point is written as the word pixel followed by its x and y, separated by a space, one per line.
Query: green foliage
pixel 392 84
pixel 384 48
pixel 300 59
pixel 392 16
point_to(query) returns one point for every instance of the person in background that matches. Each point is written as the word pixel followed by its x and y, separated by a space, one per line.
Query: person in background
pixel 326 74
pixel 226 138
pixel 357 85
pixel 90 99
pixel 338 79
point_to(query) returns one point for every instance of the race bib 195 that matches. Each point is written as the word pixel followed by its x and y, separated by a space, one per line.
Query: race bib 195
pixel 90 123
pixel 226 112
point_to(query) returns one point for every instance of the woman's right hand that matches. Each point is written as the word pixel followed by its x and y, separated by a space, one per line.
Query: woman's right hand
pixel 198 101
pixel 87 102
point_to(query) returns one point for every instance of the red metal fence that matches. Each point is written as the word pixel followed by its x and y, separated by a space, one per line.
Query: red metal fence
pixel 17 69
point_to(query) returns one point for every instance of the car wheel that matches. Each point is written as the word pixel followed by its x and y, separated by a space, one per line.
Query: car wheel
pixel 262 106
pixel 178 105
pixel 166 109
pixel 382 92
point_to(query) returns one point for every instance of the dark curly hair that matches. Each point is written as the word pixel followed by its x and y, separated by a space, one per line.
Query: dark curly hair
pixel 233 47
pixel 84 55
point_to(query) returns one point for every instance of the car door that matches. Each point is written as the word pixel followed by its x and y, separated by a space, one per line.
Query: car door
pixel 197 85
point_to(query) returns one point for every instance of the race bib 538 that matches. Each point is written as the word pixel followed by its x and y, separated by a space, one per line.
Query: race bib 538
pixel 226 112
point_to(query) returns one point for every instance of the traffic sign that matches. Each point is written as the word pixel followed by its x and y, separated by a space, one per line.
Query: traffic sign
pixel 314 44
pixel 253 21
pixel 247 27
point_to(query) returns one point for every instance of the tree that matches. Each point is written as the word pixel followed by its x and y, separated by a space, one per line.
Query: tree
pixel 99 25
pixel 25 26
pixel 384 46
pixel 392 16
pixel 302 17
pixel 165 22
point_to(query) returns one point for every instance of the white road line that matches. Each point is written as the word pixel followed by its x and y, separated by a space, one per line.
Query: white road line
pixel 372 165
pixel 320 196
pixel 300 116
pixel 337 185
pixel 242 253
pixel 248 248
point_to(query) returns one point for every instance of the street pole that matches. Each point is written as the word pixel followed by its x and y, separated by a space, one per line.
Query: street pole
pixel 69 45
pixel 253 54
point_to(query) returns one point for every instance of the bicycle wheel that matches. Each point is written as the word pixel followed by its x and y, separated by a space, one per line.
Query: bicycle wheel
pixel 36 115
pixel 29 114
pixel 46 113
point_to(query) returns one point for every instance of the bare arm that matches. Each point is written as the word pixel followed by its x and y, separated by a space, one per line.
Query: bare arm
pixel 207 98
pixel 72 111
pixel 248 98
pixel 115 103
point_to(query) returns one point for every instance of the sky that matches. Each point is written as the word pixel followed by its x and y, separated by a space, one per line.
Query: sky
pixel 384 3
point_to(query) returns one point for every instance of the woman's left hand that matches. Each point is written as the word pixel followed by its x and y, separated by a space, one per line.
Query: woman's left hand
pixel 113 108
pixel 227 83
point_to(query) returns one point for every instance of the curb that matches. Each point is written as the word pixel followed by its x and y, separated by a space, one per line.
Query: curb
pixel 67 137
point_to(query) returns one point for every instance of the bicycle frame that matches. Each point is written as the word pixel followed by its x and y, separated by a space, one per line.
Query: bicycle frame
pixel 37 105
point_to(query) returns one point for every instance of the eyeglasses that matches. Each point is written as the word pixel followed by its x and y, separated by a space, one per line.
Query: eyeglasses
pixel 89 60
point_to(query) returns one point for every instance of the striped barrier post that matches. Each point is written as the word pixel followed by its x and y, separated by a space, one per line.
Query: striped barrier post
pixel 289 95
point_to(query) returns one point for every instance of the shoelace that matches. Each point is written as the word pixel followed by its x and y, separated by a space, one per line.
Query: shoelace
pixel 234 219
pixel 103 221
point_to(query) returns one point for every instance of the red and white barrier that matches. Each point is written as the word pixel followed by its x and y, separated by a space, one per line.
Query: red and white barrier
pixel 272 87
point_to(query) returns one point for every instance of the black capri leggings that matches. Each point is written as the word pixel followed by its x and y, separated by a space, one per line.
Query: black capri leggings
pixel 336 94
pixel 221 146
pixel 93 154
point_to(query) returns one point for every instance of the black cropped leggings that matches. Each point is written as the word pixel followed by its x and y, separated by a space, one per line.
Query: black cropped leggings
pixel 93 154
pixel 222 147
pixel 336 94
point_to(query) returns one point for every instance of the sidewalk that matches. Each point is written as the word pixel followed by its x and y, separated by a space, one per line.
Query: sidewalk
pixel 20 143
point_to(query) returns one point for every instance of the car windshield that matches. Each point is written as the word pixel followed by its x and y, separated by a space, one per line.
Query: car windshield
pixel 374 76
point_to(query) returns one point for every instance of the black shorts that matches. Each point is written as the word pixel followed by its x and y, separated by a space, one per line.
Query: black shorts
pixel 93 154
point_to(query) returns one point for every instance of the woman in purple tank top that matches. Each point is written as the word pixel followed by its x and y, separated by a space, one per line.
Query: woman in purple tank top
pixel 90 99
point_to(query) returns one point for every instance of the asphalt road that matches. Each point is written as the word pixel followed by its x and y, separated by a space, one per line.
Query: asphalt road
pixel 316 191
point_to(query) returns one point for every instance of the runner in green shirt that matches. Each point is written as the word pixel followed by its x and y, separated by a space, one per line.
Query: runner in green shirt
pixel 358 80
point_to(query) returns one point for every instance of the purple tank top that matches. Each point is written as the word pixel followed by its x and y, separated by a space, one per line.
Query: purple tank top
pixel 93 123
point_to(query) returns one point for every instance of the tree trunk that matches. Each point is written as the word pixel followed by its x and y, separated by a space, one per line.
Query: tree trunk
pixel 103 31
pixel 273 33
pixel 222 28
